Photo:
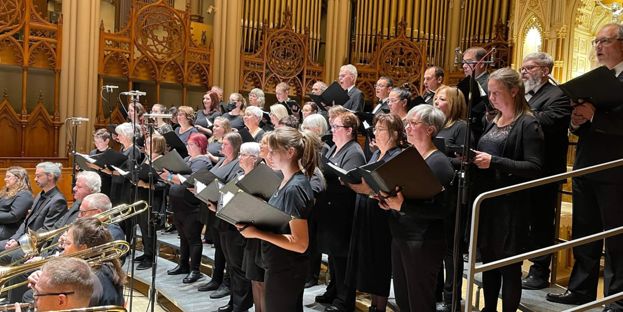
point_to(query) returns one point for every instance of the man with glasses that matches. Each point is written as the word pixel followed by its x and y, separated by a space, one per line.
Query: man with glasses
pixel 433 80
pixel 553 111
pixel 381 89
pixel 597 197
pixel 64 283
pixel 49 205
pixel 474 65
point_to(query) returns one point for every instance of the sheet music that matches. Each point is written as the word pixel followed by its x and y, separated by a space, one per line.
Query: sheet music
pixel 87 157
pixel 121 171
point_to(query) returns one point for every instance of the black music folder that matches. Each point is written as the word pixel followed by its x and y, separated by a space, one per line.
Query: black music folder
pixel 110 158
pixel 83 161
pixel 408 171
pixel 175 143
pixel 171 161
pixel 333 95
pixel 262 182
pixel 208 193
pixel 243 208
pixel 352 176
pixel 599 86
pixel 203 175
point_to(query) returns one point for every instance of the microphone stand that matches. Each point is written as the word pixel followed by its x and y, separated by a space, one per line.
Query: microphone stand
pixel 463 184
pixel 74 137
pixel 153 218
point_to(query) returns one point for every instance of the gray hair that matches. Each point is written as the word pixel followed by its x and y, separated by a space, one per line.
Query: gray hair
pixel 316 121
pixel 92 180
pixel 388 80
pixel 541 58
pixel 98 201
pixel 429 115
pixel 321 85
pixel 283 86
pixel 619 28
pixel 51 168
pixel 125 129
pixel 250 148
pixel 259 93
pixel 403 94
pixel 350 68
pixel 70 274
pixel 279 110
pixel 256 111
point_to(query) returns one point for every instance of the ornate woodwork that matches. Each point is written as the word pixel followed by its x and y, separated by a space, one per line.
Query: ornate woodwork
pixel 503 47
pixel 399 58
pixel 155 48
pixel 285 55
pixel 32 44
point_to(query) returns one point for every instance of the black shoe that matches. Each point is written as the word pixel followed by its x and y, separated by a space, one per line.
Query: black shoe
pixel 311 283
pixel 144 265
pixel 178 270
pixel 192 277
pixel 139 258
pixel 332 308
pixel 533 283
pixel 225 308
pixel 221 292
pixel 212 285
pixel 325 298
pixel 568 297
pixel 170 229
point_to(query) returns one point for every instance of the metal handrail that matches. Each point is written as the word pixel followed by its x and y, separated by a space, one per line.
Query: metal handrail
pixel 471 271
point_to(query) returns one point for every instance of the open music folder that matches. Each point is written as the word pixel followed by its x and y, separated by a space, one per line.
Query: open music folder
pixel 333 95
pixel 173 162
pixel 599 86
pixel 175 143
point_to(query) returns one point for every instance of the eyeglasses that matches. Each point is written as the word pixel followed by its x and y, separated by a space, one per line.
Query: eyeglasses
pixel 36 295
pixel 81 212
pixel 394 100
pixel 604 41
pixel 246 155
pixel 338 126
pixel 377 85
pixel 528 67
pixel 413 123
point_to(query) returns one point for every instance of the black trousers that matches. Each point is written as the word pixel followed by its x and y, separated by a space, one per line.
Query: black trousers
pixel 344 294
pixel 218 272
pixel 284 287
pixel 189 227
pixel 240 287
pixel 415 265
pixel 545 200
pixel 607 198
pixel 508 278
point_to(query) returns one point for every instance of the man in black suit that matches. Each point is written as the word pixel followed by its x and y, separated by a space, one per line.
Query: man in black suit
pixel 433 80
pixel 553 111
pixel 381 89
pixel 49 206
pixel 597 197
pixel 282 92
pixel 347 79
pixel 472 66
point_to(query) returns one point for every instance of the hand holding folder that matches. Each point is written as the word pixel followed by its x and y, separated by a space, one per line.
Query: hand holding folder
pixel 599 87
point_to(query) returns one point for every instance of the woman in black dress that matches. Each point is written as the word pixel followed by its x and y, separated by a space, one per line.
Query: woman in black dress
pixel 205 116
pixel 236 106
pixel 219 130
pixel 185 207
pixel 510 151
pixel 101 140
pixel 185 117
pixel 417 225
pixel 252 118
pixel 369 257
pixel 335 217
pixel 284 252
pixel 15 201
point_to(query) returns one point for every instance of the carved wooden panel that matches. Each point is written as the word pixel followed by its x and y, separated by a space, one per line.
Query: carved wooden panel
pixel 399 58
pixel 155 46
pixel 284 56
pixel 503 47
pixel 11 129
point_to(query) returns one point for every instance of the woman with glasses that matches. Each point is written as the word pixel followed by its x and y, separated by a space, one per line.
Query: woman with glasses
pixel 236 106
pixel 510 151
pixel 15 200
pixel 398 102
pixel 185 207
pixel 369 261
pixel 417 225
pixel 336 214
pixel 284 251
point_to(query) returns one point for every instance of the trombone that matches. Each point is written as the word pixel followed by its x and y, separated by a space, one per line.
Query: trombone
pixel 93 256
pixel 31 242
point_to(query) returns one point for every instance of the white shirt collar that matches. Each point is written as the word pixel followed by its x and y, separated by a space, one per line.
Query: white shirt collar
pixel 618 69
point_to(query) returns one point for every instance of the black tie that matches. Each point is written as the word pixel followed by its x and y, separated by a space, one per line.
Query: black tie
pixel 531 92
pixel 620 76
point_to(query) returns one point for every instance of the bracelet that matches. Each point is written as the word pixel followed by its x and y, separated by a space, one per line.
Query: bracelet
pixel 170 177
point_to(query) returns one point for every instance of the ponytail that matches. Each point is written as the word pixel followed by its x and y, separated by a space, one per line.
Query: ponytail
pixel 310 155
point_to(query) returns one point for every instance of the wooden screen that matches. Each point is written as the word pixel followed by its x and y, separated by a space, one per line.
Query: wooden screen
pixel 154 52
pixel 30 63
pixel 283 56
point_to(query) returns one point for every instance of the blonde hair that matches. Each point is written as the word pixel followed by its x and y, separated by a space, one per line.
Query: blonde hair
pixel 279 110
pixel 23 183
pixel 456 104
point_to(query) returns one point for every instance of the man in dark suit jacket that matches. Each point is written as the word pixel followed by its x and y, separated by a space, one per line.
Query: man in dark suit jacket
pixel 49 206
pixel 597 197
pixel 433 80
pixel 347 79
pixel 473 67
pixel 553 111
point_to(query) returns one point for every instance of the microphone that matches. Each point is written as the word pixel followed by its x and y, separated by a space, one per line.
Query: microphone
pixel 155 115
pixel 134 93
pixel 78 119
pixel 493 51
pixel 110 87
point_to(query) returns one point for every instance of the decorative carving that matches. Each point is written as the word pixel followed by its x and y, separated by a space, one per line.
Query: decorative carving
pixel 160 32
pixel 285 54
pixel 12 13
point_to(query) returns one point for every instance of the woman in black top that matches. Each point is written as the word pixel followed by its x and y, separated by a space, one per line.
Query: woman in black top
pixel 369 255
pixel 185 207
pixel 252 118
pixel 15 200
pixel 101 139
pixel 510 151
pixel 219 130
pixel 185 117
pixel 284 250
pixel 236 106
pixel 417 225
pixel 205 116
pixel 335 217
